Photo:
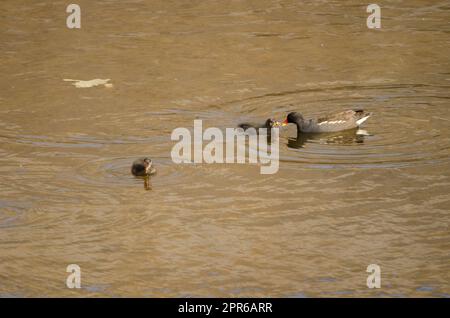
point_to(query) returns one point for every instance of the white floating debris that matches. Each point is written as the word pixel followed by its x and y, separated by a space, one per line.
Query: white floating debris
pixel 91 83
pixel 362 132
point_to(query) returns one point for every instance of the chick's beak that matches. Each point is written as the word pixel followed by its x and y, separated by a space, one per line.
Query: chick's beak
pixel 284 123
pixel 148 167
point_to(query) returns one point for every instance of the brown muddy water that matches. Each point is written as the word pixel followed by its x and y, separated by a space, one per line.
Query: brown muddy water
pixel 335 206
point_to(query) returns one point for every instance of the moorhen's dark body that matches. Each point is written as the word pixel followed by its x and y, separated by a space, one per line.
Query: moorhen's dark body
pixel 349 119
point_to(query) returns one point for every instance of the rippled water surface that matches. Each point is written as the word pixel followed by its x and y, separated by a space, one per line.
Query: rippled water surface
pixel 337 204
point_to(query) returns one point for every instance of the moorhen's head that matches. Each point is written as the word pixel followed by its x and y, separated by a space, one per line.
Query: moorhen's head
pixel 292 118
pixel 142 167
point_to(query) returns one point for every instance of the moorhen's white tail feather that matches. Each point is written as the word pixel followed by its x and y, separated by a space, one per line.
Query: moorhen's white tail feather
pixel 360 121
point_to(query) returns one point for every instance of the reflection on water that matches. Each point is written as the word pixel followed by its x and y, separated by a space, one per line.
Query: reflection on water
pixel 337 204
pixel 347 137
pixel 147 183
